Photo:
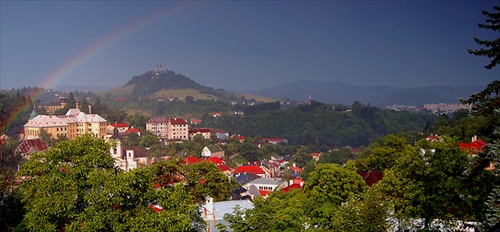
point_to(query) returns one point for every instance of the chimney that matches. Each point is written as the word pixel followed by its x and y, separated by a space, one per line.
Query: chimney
pixel 209 205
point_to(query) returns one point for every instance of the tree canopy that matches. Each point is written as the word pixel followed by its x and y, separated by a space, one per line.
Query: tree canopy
pixel 75 186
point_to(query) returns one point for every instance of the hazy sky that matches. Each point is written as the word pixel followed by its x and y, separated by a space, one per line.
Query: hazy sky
pixel 243 45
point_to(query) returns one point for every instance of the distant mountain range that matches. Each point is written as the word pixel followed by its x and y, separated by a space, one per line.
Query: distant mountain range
pixel 381 96
pixel 167 84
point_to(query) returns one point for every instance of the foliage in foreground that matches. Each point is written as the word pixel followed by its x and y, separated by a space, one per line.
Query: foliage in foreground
pixel 74 187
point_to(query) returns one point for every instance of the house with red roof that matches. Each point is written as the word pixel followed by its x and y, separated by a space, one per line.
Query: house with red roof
pixel 218 161
pixel 193 160
pixel 295 183
pixel 225 169
pixel 177 129
pixel 195 121
pixel 371 177
pixel 432 137
pixel 204 132
pixel 216 114
pixel 30 146
pixel 133 130
pixel 295 171
pixel 316 155
pixel 121 126
pixel 158 126
pixel 257 170
pixel 473 147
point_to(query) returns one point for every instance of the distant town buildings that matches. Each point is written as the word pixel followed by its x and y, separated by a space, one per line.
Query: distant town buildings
pixel 446 108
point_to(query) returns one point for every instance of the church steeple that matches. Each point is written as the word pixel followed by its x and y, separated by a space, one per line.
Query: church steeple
pixel 33 113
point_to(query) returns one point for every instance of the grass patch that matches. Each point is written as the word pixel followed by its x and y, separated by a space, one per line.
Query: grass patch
pixel 238 160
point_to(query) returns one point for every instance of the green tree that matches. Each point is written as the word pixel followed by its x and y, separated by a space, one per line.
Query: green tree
pixel 486 103
pixel 491 48
pixel 56 181
pixel 200 179
pixel 385 157
pixel 46 137
pixel 429 183
pixel 84 106
pixel 279 212
pixel 137 120
pixel 75 187
pixel 248 150
pixel 340 156
pixel 71 103
pixel 367 211
pixel 328 186
pixel 301 158
pixel 98 107
pixel 11 208
pixel 148 140
pixel 133 139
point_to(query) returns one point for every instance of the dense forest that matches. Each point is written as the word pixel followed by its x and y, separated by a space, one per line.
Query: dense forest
pixel 320 124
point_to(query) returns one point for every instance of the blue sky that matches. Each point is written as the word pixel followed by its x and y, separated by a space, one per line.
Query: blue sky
pixel 243 45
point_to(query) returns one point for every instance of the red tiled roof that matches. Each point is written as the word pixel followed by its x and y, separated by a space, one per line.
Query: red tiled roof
pixel 161 119
pixel 474 147
pixel 133 130
pixel 224 168
pixel 177 121
pixel 296 169
pixel 264 193
pixel 156 208
pixel 120 124
pixel 371 177
pixel 432 137
pixel 216 160
pixel 193 160
pixel 201 130
pixel 36 144
pixel 250 169
pixel 255 163
pixel 315 154
pixel 195 120
pixel 293 186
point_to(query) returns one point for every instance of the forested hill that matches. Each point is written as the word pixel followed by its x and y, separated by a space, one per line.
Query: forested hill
pixel 151 82
pixel 318 124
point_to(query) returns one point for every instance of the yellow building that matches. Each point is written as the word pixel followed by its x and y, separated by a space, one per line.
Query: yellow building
pixel 71 125
pixel 51 124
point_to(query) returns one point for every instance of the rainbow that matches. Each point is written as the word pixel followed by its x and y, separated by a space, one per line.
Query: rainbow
pixel 92 50
pixel 103 43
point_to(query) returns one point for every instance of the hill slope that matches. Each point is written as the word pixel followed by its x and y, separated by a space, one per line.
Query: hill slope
pixel 166 84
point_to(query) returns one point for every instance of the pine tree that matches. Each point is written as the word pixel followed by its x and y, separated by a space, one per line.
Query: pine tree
pixel 84 106
pixel 98 107
pixel 71 103
pixel 491 48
